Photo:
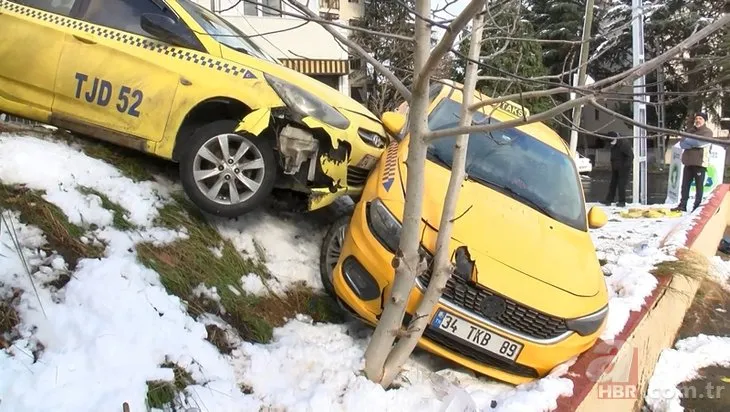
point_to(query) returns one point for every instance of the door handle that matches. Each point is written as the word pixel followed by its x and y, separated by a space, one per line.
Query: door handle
pixel 84 40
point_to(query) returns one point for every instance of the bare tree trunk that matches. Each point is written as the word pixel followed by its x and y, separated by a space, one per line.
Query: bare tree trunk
pixel 442 267
pixel 407 259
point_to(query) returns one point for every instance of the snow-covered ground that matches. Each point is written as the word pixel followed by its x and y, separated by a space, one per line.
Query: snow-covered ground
pixel 106 333
pixel 681 365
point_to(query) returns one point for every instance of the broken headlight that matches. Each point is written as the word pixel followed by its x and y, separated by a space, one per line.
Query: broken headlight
pixel 371 138
pixel 587 324
pixel 307 104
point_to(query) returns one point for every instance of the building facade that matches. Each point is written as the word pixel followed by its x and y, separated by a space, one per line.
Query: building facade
pixel 300 45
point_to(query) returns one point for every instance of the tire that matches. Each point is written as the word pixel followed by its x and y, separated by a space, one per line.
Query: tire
pixel 335 234
pixel 252 186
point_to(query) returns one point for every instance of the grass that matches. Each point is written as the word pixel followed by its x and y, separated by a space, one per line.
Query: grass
pixel 62 235
pixel 689 264
pixel 162 393
pixel 8 320
pixel 184 264
pixel 119 221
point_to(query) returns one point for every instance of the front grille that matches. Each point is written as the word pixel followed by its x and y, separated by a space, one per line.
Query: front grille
pixel 356 176
pixel 515 317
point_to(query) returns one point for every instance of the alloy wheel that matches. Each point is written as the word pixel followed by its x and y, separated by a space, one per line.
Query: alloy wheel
pixel 228 169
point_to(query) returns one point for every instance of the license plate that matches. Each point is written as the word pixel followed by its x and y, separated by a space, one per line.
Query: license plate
pixel 367 162
pixel 476 335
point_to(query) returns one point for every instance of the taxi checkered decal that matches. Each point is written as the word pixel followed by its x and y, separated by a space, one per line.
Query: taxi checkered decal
pixel 128 38
pixel 391 162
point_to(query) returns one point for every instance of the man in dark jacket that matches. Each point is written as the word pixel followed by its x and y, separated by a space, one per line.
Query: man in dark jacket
pixel 695 158
pixel 622 160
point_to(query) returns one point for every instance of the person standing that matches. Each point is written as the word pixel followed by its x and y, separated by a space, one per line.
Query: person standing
pixel 695 159
pixel 622 160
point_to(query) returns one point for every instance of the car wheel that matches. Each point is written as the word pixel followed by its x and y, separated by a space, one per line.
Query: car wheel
pixel 225 173
pixel 331 251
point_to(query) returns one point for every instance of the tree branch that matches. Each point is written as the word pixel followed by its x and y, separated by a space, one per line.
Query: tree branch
pixel 324 22
pixel 721 142
pixel 397 84
pixel 490 127
pixel 623 79
pixel 444 45
pixel 526 95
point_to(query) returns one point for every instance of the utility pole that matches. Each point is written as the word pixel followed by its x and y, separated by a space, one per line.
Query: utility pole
pixel 661 116
pixel 581 80
pixel 639 184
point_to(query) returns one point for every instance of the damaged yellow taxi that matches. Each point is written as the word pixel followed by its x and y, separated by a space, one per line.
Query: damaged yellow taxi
pixel 527 292
pixel 171 78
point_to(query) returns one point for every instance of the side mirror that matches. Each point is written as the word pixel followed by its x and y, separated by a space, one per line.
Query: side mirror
pixel 393 122
pixel 596 218
pixel 166 29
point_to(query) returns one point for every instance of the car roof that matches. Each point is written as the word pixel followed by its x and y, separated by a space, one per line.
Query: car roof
pixel 508 111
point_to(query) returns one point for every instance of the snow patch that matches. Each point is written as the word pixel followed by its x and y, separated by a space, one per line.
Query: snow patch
pixel 681 365
pixel 289 247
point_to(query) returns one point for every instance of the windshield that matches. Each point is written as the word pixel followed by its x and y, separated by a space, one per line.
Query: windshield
pixel 224 32
pixel 515 164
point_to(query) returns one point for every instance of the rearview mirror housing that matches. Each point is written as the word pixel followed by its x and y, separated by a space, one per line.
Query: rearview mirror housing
pixel 597 218
pixel 394 123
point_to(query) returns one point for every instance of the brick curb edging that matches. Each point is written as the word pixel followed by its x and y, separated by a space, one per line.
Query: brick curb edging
pixel 582 385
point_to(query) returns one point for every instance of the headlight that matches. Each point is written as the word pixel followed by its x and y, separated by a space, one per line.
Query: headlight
pixel 306 103
pixel 371 138
pixel 588 324
pixel 386 228
pixel 384 225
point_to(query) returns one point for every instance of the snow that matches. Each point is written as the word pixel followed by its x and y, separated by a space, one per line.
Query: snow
pixel 61 169
pixel 105 334
pixel 681 365
pixel 720 271
pixel 254 285
pixel 631 248
pixel 290 246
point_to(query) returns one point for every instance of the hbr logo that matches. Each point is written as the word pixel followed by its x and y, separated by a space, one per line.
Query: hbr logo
pixel 616 377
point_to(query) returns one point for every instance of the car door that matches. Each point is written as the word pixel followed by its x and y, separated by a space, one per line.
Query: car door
pixel 31 40
pixel 115 80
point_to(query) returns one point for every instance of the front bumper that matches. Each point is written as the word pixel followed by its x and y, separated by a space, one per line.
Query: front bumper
pixel 537 357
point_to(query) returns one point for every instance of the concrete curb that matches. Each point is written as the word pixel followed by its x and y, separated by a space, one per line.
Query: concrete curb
pixel 612 376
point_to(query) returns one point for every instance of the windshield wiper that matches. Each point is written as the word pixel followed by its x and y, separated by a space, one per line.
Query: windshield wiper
pixel 508 190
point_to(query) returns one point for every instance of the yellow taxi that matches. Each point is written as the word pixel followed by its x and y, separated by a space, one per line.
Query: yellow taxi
pixel 171 78
pixel 527 291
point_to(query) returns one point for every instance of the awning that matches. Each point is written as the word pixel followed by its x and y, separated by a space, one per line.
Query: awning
pixel 317 66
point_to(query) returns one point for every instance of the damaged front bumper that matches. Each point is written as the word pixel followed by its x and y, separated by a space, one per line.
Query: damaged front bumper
pixel 316 158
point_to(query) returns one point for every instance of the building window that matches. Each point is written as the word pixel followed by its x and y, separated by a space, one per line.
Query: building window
pixel 597 114
pixel 355 63
pixel 330 4
pixel 268 8
pixel 329 16
pixel 353 1
pixel 356 22
pixel 274 10
pixel 250 9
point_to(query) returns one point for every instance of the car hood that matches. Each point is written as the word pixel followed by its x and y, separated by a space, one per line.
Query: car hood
pixel 504 230
pixel 319 89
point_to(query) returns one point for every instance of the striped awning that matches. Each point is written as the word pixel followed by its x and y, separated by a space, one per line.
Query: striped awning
pixel 317 66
